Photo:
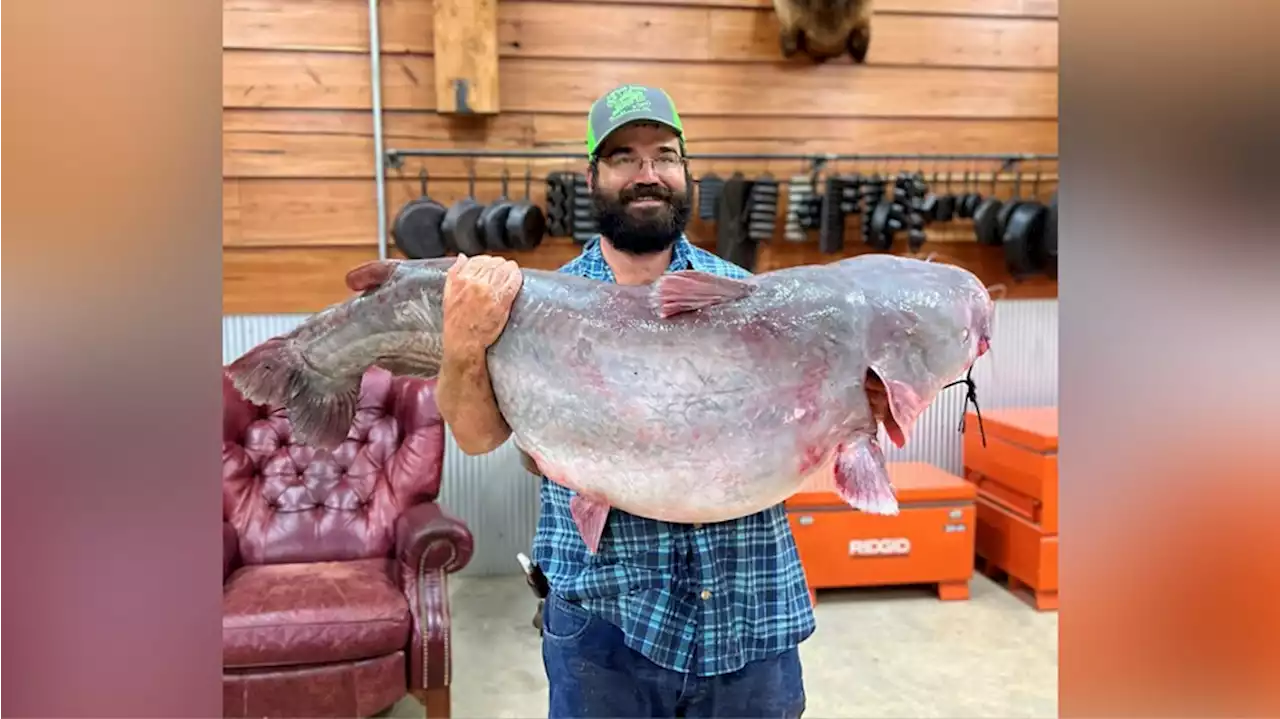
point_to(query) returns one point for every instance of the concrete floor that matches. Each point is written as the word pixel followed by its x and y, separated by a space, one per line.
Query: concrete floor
pixel 877 653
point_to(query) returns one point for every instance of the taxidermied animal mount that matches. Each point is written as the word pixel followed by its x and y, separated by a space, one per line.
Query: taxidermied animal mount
pixel 825 29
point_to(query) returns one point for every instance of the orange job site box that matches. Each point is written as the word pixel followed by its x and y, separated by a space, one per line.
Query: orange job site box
pixel 1016 476
pixel 930 541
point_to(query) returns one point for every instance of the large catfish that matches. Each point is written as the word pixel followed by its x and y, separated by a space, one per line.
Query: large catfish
pixel 694 399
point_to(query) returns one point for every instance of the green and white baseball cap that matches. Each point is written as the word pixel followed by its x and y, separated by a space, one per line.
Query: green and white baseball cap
pixel 627 104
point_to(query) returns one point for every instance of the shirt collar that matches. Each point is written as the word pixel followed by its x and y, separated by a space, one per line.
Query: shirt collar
pixel 681 256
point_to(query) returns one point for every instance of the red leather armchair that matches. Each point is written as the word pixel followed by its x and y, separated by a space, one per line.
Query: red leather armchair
pixel 335 564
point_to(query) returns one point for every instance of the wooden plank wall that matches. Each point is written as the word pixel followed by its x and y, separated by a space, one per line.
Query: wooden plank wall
pixel 946 76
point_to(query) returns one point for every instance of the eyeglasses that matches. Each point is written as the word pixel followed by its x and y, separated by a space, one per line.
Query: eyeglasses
pixel 632 164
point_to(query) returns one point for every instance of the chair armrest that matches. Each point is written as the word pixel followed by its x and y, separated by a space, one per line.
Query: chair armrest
pixel 429 538
pixel 430 545
pixel 230 549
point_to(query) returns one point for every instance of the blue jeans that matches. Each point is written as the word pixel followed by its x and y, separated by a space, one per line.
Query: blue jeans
pixel 593 673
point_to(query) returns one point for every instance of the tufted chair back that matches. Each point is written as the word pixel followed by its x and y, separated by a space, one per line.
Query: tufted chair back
pixel 293 503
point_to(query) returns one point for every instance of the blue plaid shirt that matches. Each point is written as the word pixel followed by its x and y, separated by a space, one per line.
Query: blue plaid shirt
pixel 704 599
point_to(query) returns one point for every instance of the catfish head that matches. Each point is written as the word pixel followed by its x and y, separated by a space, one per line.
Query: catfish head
pixel 929 323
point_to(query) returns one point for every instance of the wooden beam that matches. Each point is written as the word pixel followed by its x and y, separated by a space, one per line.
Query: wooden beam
pixel 466 56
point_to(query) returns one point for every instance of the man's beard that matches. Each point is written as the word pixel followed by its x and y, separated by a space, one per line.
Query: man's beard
pixel 655 230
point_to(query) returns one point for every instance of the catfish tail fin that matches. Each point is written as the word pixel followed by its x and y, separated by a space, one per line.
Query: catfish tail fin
pixel 322 419
pixel 320 408
pixel 263 373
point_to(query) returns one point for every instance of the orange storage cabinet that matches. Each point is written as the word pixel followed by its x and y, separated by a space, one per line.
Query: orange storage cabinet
pixel 1016 477
pixel 931 541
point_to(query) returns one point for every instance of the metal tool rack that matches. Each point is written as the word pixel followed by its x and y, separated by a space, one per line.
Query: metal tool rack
pixel 394 158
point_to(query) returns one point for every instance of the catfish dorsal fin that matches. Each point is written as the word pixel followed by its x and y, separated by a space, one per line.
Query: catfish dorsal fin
pixel 689 290
pixel 370 275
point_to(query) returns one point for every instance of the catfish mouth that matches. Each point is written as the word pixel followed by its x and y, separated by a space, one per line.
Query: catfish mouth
pixel 881 410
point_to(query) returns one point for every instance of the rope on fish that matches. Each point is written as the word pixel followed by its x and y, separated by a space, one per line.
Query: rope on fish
pixel 970 395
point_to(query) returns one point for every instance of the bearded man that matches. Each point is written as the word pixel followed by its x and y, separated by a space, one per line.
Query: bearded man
pixel 666 619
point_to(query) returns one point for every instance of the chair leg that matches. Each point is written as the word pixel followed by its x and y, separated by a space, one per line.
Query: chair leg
pixel 436 700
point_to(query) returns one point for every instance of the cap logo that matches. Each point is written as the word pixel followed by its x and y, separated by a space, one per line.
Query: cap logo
pixel 626 100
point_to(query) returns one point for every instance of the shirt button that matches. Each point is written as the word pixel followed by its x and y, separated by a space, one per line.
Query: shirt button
pixel 706 594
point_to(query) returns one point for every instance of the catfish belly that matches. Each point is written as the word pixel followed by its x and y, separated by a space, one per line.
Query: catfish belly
pixel 699 417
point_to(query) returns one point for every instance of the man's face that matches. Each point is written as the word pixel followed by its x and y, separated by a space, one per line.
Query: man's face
pixel 642 190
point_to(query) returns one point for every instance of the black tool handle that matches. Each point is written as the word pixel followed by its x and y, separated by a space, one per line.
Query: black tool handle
pixel 534 576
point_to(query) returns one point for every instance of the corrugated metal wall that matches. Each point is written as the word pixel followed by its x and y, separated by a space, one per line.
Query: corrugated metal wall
pixel 499 500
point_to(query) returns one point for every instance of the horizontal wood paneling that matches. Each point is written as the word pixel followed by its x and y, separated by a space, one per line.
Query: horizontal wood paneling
pixel 543 29
pixel 328 213
pixel 299 204
pixel 406 24
pixel 902 40
pixel 290 143
pixel 297 143
pixel 287 280
pixel 1008 8
pixel 253 78
pixel 728 133
pixel 1020 8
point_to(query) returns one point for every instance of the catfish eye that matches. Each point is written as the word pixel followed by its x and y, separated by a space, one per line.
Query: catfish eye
pixel 964 335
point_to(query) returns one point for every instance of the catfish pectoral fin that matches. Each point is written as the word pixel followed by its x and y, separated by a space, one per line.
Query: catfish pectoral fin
pixel 862 478
pixel 590 514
